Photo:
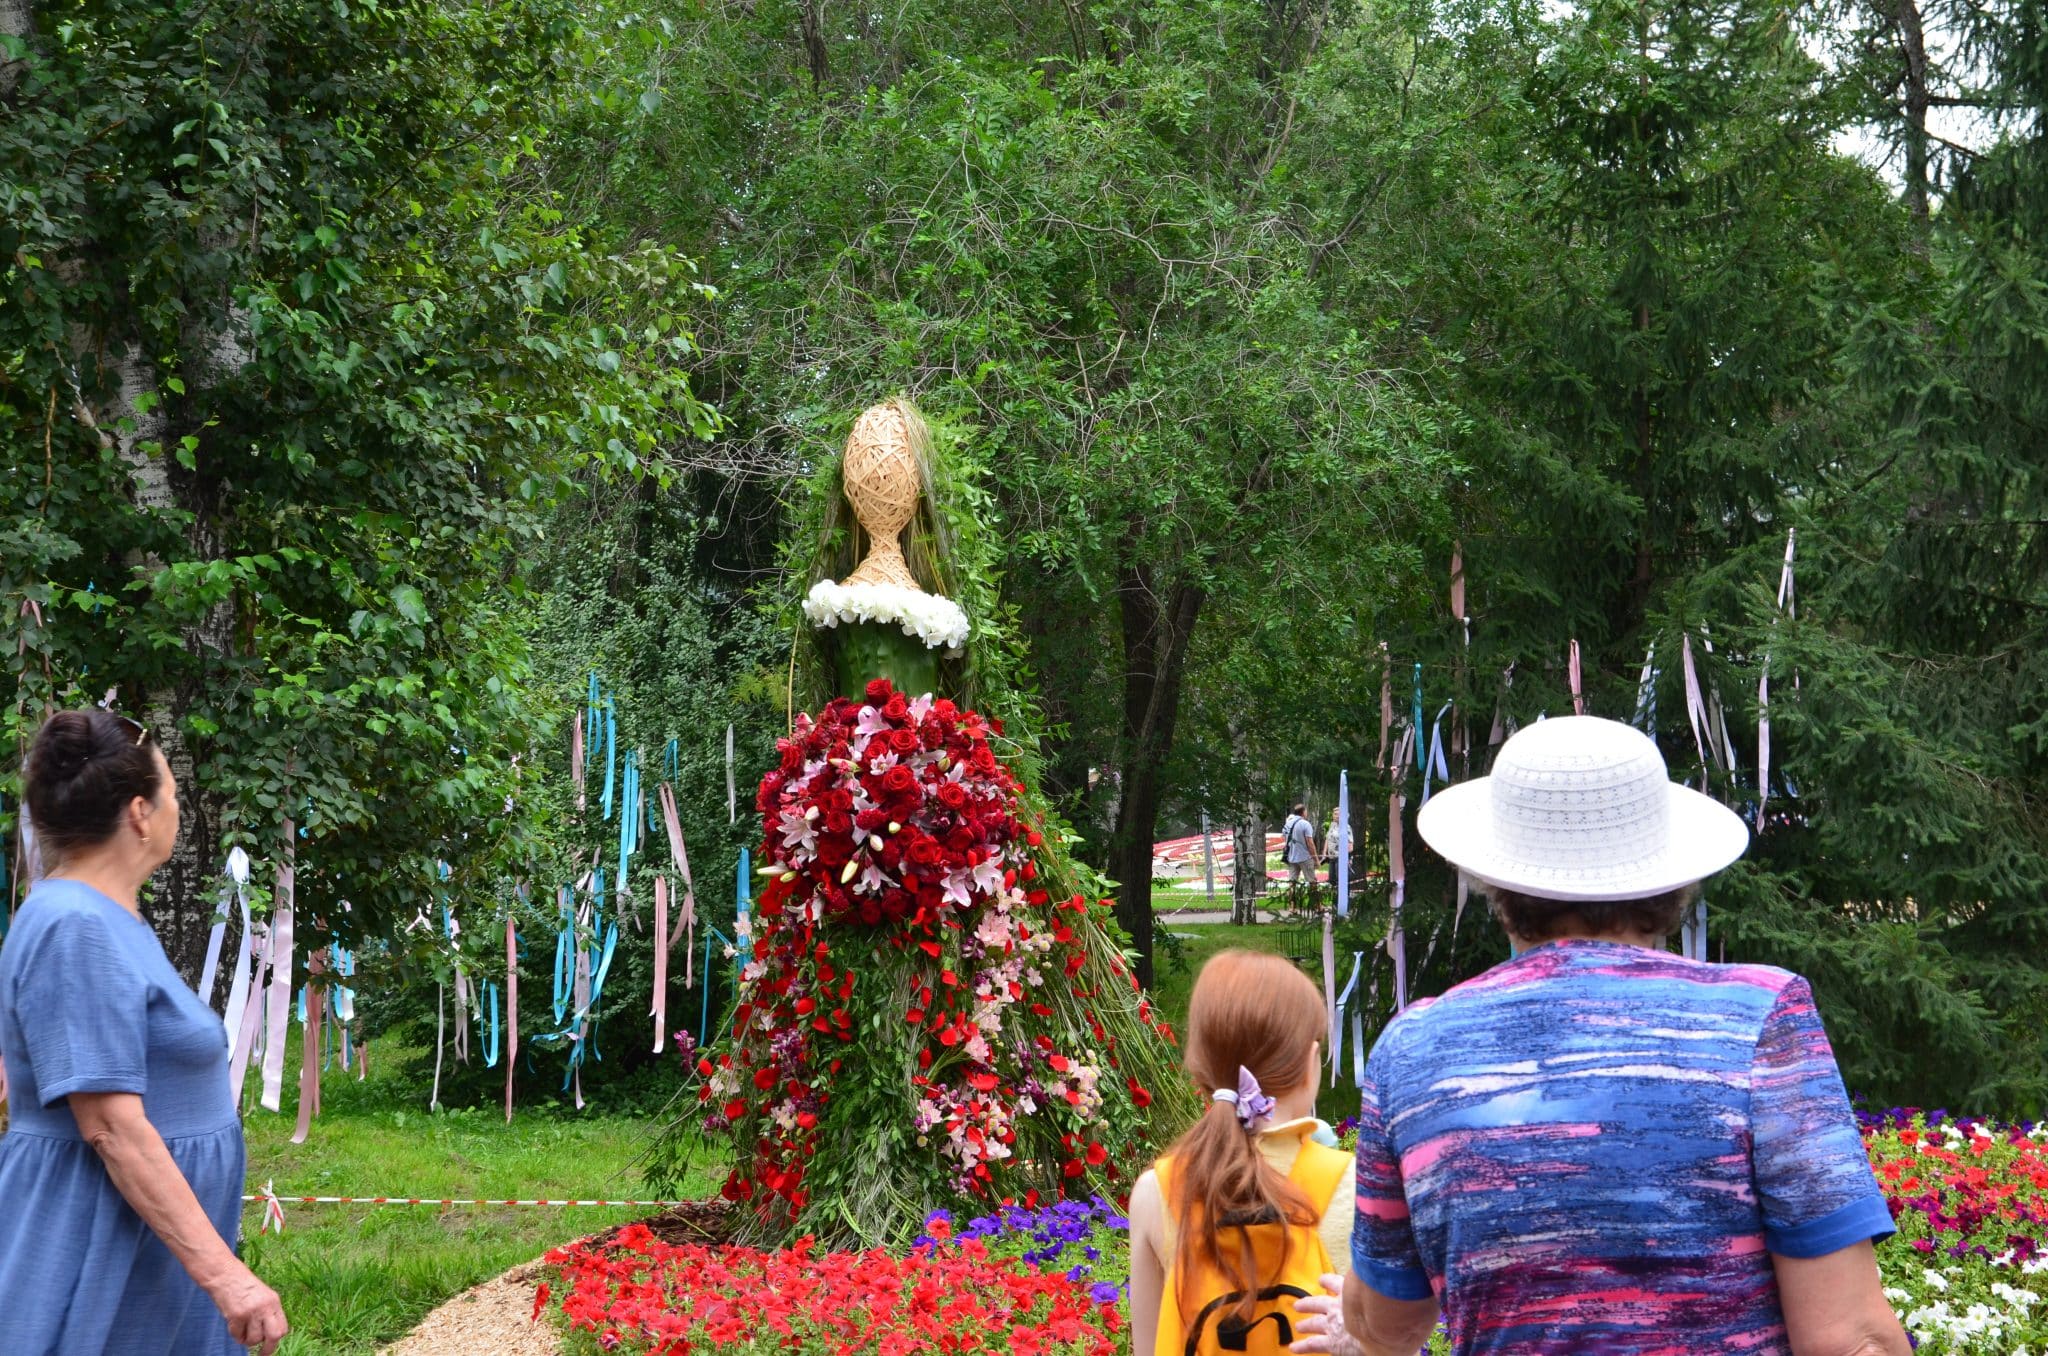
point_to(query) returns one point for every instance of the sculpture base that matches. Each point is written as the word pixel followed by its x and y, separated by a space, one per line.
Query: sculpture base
pixel 865 651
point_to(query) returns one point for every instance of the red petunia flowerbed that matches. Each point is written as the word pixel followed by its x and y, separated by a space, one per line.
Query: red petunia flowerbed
pixel 638 1294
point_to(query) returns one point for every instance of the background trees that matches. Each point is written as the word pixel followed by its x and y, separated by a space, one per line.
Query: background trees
pixel 1259 315
pixel 296 349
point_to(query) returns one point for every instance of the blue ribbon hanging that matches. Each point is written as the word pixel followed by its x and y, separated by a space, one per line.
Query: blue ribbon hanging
pixel 1421 753
pixel 745 901
pixel 593 707
pixel 1434 764
pixel 629 789
pixel 1340 874
pixel 565 963
pixel 580 1026
pixel 491 1040
pixel 611 753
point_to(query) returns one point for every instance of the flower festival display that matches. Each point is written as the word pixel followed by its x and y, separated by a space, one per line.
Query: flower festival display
pixel 916 1001
pixel 935 1011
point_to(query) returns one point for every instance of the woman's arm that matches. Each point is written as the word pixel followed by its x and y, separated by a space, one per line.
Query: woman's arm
pixel 1386 1327
pixel 1148 1263
pixel 1835 1305
pixel 143 1172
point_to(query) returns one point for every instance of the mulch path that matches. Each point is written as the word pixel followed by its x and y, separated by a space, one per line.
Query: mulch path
pixel 497 1316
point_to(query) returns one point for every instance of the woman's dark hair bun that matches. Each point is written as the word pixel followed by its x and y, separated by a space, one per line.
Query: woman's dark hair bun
pixel 83 770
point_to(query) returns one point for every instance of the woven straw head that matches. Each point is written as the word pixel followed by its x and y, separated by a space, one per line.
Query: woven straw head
pixel 881 478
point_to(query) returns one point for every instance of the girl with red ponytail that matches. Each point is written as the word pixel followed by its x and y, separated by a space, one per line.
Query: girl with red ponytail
pixel 1247 1211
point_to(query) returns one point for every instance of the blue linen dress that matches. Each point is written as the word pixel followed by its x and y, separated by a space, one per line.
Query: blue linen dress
pixel 90 1003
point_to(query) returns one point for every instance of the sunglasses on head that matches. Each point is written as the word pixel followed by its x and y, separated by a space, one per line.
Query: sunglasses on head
pixel 141 730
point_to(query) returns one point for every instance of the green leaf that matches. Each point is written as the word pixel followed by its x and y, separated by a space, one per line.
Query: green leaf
pixel 409 603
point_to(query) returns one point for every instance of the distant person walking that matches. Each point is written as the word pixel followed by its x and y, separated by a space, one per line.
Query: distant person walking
pixel 123 1161
pixel 1298 849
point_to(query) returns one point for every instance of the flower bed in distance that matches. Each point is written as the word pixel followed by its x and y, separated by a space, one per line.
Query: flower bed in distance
pixel 640 1295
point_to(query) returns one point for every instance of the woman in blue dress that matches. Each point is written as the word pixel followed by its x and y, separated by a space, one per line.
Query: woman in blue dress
pixel 121 1170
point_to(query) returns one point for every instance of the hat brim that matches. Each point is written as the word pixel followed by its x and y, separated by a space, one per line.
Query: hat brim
pixel 1703 837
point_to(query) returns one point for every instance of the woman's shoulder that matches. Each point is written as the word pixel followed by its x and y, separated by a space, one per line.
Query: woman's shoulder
pixel 68 913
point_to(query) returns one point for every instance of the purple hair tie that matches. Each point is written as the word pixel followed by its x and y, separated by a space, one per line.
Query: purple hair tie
pixel 1252 1104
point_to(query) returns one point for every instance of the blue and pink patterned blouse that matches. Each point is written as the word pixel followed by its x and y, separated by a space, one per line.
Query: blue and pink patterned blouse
pixel 1596 1147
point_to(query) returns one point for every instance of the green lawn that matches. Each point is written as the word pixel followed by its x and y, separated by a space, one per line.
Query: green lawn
pixel 1172 983
pixel 356 1277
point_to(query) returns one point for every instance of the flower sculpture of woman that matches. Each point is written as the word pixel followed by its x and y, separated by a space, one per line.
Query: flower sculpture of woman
pixel 934 1013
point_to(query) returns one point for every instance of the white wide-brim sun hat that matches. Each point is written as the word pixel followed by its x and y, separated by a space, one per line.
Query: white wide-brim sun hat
pixel 1581 808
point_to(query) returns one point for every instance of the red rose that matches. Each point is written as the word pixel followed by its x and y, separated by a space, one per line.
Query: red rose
pixel 879 691
pixel 944 708
pixel 925 852
pixel 899 780
pixel 952 795
pixel 838 824
pixel 896 708
pixel 903 741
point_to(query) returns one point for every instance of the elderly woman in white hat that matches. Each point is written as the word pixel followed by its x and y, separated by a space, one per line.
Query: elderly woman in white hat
pixel 1599 1146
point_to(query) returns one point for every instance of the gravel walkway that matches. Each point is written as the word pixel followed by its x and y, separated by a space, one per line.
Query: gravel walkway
pixel 495 1317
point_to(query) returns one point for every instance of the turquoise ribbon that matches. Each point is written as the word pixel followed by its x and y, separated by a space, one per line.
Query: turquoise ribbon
pixel 1421 753
pixel 611 753
pixel 491 1041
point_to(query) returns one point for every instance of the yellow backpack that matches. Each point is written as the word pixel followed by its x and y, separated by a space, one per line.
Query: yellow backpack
pixel 1196 1309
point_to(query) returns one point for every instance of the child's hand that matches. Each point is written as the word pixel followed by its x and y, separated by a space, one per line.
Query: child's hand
pixel 1319 1323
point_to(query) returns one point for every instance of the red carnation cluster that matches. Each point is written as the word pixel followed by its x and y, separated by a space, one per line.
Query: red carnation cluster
pixel 890 811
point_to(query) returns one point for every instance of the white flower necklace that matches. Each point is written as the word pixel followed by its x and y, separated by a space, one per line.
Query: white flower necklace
pixel 938 622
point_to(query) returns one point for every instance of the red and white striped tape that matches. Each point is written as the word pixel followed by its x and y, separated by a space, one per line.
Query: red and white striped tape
pixel 273 1204
pixel 432 1200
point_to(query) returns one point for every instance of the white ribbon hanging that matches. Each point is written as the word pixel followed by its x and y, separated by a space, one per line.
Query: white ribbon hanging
pixel 1695 706
pixel 238 984
pixel 1787 606
pixel 1337 1022
pixel 277 1019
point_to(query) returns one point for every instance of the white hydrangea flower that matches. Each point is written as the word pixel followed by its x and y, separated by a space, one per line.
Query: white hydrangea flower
pixel 938 622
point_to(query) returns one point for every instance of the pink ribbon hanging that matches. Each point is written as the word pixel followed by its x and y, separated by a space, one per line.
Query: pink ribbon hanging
pixel 1397 875
pixel 686 921
pixel 277 1018
pixel 511 1012
pixel 660 1008
pixel 1578 683
pixel 461 1016
pixel 309 1048
pixel 252 1017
